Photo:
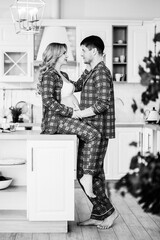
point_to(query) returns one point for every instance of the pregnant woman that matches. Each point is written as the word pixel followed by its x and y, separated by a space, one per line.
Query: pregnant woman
pixel 59 108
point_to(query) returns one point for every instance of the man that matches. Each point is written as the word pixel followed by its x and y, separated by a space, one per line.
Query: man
pixel 97 111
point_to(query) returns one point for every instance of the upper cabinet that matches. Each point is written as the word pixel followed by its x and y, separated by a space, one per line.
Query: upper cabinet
pixel 139 44
pixel 16 55
pixel 126 45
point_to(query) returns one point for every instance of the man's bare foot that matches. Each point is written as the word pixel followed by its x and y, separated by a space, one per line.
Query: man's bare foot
pixel 86 182
pixel 90 222
pixel 108 222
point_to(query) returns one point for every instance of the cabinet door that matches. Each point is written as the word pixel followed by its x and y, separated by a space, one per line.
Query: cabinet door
pixel 8 36
pixel 99 29
pixel 139 44
pixel 50 180
pixel 16 64
pixel 120 152
pixel 16 55
pixel 125 137
pixel 156 27
pixel 147 140
pixel 110 159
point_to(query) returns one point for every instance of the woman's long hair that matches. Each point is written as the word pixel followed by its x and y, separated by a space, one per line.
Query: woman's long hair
pixel 49 58
pixel 52 52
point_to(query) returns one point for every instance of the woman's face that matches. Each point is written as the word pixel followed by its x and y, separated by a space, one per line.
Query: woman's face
pixel 63 58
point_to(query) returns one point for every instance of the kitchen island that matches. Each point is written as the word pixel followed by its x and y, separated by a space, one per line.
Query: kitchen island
pixel 41 196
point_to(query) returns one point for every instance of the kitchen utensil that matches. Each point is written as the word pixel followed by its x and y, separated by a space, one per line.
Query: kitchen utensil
pixel 5 182
pixel 152 115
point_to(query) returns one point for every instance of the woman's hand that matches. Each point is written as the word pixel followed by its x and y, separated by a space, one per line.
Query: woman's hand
pixel 76 114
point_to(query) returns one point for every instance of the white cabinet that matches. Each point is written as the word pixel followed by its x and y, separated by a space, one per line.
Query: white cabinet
pixel 139 44
pixel 16 55
pixel 41 196
pixel 120 152
pixel 50 182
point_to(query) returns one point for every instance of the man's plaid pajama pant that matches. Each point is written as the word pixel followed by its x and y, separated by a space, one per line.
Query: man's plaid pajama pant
pixel 91 153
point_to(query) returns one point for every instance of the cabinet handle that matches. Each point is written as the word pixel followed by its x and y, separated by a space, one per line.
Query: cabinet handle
pixel 32 160
pixel 31 69
pixel 149 147
pixel 141 141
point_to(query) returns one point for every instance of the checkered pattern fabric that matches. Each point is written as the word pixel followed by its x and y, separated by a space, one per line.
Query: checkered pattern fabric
pixel 90 138
pixel 102 206
pixel 51 85
pixel 97 92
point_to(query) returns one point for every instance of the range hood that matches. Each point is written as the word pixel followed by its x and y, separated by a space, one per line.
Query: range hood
pixel 54 34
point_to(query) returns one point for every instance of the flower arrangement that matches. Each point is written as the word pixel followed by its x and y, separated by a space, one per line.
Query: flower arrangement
pixel 143 177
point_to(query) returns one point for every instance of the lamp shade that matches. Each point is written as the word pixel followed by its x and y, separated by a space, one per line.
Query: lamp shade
pixel 27 15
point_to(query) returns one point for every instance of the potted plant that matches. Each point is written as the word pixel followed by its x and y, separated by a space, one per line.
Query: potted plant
pixel 15 112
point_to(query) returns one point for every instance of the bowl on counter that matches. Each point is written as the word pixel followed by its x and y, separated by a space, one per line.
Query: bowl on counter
pixel 5 182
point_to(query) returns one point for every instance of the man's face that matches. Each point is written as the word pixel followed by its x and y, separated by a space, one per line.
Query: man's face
pixel 86 54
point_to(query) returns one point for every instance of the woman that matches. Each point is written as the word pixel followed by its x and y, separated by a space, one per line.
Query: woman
pixel 60 105
pixel 54 56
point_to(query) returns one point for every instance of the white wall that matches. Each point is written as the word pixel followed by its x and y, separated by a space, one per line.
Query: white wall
pixel 110 9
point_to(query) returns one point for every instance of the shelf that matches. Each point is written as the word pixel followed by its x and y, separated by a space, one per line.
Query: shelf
pixel 119 63
pixel 119 45
pixel 119 51
pixel 12 215
pixel 18 195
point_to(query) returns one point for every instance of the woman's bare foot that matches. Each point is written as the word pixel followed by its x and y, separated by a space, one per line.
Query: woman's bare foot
pixel 90 222
pixel 108 222
pixel 86 182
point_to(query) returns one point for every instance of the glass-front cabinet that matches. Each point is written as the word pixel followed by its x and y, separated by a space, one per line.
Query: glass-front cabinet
pixel 16 55
pixel 16 64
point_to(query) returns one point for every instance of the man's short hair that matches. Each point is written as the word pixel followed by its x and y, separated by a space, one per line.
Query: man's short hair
pixel 93 42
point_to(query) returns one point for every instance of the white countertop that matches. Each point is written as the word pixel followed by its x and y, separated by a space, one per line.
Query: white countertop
pixel 35 135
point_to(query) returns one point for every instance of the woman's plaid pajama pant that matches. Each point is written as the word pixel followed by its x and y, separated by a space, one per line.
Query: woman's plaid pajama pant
pixel 91 153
